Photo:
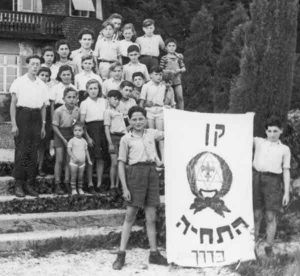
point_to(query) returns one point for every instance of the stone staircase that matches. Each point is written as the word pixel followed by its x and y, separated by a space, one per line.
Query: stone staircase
pixel 56 222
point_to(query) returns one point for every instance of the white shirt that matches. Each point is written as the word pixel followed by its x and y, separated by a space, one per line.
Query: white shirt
pixel 150 45
pixel 57 92
pixel 30 93
pixel 123 46
pixel 131 68
pixel 153 92
pixel 83 77
pixel 106 49
pixel 110 84
pixel 93 110
pixel 271 156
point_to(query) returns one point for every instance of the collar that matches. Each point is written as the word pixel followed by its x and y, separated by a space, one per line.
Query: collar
pixel 81 50
pixel 134 64
pixel 135 136
pixel 64 107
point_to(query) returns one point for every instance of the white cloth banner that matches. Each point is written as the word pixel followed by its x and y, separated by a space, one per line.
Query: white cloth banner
pixel 209 215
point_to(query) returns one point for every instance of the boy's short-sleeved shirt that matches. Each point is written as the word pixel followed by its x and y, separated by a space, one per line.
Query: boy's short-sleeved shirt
pixel 154 93
pixel 271 156
pixel 76 56
pixel 107 49
pixel 79 147
pixel 110 84
pixel 64 117
pixel 134 149
pixel 123 46
pixel 57 92
pixel 115 120
pixel 93 110
pixel 83 77
pixel 129 69
pixel 150 45
pixel 31 94
pixel 125 105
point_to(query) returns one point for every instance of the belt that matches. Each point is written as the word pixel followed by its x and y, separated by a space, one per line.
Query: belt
pixel 268 173
pixel 106 60
pixel 146 163
pixel 28 108
pixel 118 134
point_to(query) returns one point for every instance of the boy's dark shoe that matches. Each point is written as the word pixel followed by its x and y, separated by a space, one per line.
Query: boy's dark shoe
pixel 120 261
pixel 156 258
pixel 29 190
pixel 269 251
pixel 58 190
pixel 19 189
pixel 91 190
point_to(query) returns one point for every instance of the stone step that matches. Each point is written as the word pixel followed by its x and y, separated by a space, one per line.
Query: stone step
pixel 20 223
pixel 53 203
pixel 71 239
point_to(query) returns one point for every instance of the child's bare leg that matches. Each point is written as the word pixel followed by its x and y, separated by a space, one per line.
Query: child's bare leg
pixel 271 227
pixel 59 158
pixel 150 213
pixel 80 178
pixel 99 170
pixel 128 222
pixel 67 168
pixel 73 172
pixel 258 215
pixel 90 174
pixel 41 154
pixel 151 123
pixel 161 144
pixel 179 96
pixel 113 171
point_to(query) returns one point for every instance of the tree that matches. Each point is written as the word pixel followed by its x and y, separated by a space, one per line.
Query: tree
pixel 265 82
pixel 199 60
pixel 228 64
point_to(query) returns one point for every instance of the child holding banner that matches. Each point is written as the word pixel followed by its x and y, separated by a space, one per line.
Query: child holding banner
pixel 140 181
pixel 271 164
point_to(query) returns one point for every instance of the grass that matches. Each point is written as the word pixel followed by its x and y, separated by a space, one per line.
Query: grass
pixel 7 140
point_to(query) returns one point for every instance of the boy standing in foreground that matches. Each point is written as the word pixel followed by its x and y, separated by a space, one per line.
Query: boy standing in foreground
pixel 271 165
pixel 140 181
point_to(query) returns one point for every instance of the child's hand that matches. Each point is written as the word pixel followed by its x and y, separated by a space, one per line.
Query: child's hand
pixel 111 148
pixel 15 130
pixel 90 162
pixel 43 132
pixel 65 142
pixel 90 142
pixel 126 195
pixel 177 71
pixel 286 199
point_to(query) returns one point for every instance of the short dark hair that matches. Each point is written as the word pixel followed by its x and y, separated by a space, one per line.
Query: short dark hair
pixel 114 65
pixel 69 89
pixel 32 57
pixel 167 77
pixel 84 31
pixel 273 121
pixel 135 109
pixel 48 49
pixel 78 124
pixel 59 43
pixel 156 69
pixel 126 83
pixel 138 74
pixel 114 94
pixel 64 68
pixel 91 81
pixel 44 69
pixel 133 48
pixel 148 22
pixel 170 40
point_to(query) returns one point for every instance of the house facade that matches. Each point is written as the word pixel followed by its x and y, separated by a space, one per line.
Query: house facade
pixel 26 26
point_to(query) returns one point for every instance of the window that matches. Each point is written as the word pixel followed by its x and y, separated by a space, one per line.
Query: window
pixel 9 71
pixel 81 8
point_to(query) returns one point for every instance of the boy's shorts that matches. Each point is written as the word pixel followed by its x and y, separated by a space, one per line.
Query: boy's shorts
pixel 155 112
pixel 143 185
pixel 267 191
pixel 115 138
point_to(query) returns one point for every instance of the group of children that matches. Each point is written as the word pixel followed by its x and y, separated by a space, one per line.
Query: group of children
pixel 94 90
pixel 108 103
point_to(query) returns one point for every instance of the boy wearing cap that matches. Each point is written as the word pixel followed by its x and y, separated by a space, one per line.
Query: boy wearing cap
pixel 150 44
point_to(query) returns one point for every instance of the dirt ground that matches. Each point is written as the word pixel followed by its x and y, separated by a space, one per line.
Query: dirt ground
pixel 97 262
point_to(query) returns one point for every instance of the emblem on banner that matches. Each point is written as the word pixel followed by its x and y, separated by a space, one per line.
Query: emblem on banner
pixel 210 179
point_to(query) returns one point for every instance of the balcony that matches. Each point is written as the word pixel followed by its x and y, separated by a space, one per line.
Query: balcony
pixel 37 25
